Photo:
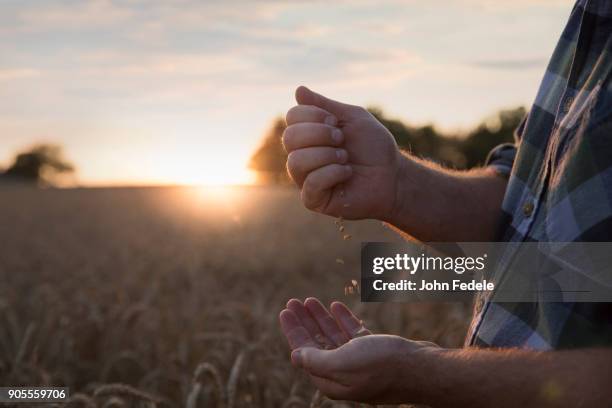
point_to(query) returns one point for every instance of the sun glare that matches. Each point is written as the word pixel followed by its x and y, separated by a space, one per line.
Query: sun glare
pixel 190 169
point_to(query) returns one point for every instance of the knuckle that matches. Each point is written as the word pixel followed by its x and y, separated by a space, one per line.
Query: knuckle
pixel 308 202
pixel 360 110
pixel 335 171
pixel 293 162
pixel 311 186
pixel 287 138
pixel 292 114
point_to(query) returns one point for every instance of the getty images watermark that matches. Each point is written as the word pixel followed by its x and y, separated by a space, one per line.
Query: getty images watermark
pixel 505 272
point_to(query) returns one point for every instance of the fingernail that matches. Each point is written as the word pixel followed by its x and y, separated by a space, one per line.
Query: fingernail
pixel 348 170
pixel 337 136
pixel 342 155
pixel 296 357
pixel 331 120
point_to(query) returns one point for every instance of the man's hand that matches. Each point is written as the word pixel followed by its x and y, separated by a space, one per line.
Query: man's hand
pixel 344 360
pixel 345 161
pixel 348 164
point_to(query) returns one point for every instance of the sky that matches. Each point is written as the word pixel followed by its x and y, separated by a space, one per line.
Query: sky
pixel 165 92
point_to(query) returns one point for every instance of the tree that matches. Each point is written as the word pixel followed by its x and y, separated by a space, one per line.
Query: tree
pixel 460 150
pixel 270 158
pixel 493 131
pixel 424 141
pixel 41 164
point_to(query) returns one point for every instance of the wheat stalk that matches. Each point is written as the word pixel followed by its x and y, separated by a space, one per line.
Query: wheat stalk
pixel 232 382
pixel 80 400
pixel 115 402
pixel 25 342
pixel 198 380
pixel 294 401
pixel 317 397
pixel 125 390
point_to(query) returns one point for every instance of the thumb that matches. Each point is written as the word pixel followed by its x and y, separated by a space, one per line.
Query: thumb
pixel 305 96
pixel 315 361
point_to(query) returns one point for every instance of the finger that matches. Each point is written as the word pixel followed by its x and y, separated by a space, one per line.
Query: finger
pixel 326 322
pixel 305 96
pixel 309 324
pixel 351 325
pixel 317 186
pixel 301 135
pixel 309 113
pixel 296 334
pixel 302 161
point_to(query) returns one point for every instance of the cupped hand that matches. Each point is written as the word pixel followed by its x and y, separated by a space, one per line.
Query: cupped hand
pixel 343 159
pixel 345 361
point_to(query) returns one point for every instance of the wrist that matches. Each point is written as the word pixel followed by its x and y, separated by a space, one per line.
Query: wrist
pixel 406 182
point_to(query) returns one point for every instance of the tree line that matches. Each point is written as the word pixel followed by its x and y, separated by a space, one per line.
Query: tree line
pixel 456 150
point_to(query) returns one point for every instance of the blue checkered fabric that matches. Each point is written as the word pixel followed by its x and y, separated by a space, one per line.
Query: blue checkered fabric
pixel 560 185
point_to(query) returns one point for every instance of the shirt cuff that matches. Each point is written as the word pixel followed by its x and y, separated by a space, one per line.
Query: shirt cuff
pixel 501 159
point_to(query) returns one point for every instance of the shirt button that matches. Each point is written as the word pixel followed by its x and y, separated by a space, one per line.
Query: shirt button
pixel 528 208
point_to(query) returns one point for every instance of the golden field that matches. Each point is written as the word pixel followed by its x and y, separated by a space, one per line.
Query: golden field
pixel 169 296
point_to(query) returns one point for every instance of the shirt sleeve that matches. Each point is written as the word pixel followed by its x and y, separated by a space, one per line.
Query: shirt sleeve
pixel 501 158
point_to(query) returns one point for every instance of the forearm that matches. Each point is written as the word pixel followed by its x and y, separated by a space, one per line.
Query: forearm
pixel 438 205
pixel 510 378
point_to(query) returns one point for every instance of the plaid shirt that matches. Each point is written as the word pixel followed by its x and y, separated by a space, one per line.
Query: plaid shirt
pixel 560 185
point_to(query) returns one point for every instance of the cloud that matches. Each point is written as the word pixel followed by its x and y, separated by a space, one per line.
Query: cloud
pixel 12 74
pixel 145 55
pixel 506 5
pixel 512 64
pixel 70 15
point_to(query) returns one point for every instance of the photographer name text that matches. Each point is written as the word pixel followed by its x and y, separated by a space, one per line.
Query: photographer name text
pixel 433 286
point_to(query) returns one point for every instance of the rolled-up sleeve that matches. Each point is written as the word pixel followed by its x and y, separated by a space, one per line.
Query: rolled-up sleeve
pixel 501 158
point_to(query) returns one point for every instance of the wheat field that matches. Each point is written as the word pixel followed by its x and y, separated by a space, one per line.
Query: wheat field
pixel 168 297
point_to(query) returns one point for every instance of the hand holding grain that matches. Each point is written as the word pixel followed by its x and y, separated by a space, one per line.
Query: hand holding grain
pixel 345 361
pixel 345 161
